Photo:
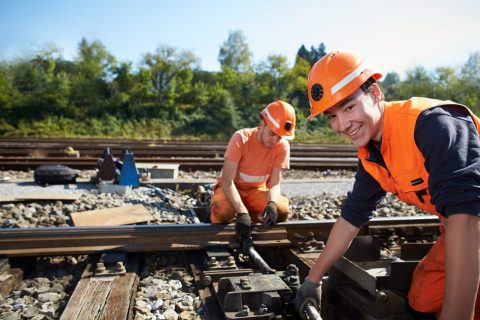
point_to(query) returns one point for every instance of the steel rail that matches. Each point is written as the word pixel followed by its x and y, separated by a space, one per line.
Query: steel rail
pixel 142 146
pixel 87 142
pixel 158 238
pixel 95 147
pixel 25 163
pixel 171 152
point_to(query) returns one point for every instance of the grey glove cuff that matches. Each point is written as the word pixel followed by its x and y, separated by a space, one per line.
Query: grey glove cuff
pixel 309 293
pixel 310 287
pixel 243 225
pixel 272 204
pixel 243 216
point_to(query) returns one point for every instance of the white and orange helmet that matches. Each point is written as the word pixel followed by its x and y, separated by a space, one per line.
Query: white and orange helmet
pixel 334 77
pixel 280 118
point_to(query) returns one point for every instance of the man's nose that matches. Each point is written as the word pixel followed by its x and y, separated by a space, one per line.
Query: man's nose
pixel 343 123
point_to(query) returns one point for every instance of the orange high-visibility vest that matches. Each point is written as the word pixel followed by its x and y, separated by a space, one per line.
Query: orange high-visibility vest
pixel 406 177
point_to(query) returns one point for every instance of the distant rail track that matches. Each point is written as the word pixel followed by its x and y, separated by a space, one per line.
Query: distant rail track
pixel 28 153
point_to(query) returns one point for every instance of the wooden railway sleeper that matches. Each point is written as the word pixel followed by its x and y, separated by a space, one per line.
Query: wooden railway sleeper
pixel 104 297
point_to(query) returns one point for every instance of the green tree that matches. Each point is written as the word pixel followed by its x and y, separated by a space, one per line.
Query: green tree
pixel 418 83
pixel 235 53
pixel 271 75
pixel 389 82
pixel 312 55
pixel 171 74
pixel 470 83
pixel 94 69
pixel 36 87
pixel 297 85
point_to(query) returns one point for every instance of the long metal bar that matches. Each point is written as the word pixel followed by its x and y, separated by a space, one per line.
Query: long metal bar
pixel 8 142
pixel 155 238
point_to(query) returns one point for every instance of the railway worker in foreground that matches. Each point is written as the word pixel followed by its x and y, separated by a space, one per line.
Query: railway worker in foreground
pixel 426 152
pixel 248 187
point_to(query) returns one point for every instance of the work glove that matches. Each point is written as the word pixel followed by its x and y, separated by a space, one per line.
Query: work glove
pixel 243 225
pixel 309 292
pixel 269 215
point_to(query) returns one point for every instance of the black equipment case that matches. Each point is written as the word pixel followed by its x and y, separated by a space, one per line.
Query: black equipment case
pixel 54 174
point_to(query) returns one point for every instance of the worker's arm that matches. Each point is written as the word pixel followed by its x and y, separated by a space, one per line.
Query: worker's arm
pixel 274 184
pixel 228 175
pixel 453 162
pixel 338 242
pixel 462 264
pixel 270 215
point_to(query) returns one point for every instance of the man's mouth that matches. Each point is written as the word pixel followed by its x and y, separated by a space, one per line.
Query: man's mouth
pixel 352 133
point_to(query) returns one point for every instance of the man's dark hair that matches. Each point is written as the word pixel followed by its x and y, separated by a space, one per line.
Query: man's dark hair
pixel 367 84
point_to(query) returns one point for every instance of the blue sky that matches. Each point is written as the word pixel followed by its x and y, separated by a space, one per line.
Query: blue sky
pixel 392 35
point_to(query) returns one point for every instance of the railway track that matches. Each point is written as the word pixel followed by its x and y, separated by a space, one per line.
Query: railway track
pixel 155 238
pixel 232 282
pixel 143 238
pixel 27 163
pixel 27 154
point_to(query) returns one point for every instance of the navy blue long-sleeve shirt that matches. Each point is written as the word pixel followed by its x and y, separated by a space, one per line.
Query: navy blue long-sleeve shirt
pixel 448 139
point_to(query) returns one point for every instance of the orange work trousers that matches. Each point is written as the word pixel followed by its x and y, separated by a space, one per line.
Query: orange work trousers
pixel 255 199
pixel 428 283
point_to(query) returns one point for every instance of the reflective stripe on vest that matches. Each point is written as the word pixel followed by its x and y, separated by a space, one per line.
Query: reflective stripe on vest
pixel 248 178
pixel 406 177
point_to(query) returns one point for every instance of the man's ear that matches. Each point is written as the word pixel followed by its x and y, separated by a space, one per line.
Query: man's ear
pixel 377 93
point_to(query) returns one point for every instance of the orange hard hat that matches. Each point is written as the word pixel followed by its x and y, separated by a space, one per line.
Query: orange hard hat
pixel 334 77
pixel 280 118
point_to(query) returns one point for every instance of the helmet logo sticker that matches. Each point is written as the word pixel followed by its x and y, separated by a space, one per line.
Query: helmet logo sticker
pixel 317 92
pixel 287 126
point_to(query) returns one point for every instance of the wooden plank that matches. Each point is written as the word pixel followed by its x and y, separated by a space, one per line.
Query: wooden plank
pixel 97 294
pixel 112 216
pixel 121 291
pixel 50 196
pixel 41 196
pixel 78 298
pixel 101 298
pixel 122 296
pixel 4 198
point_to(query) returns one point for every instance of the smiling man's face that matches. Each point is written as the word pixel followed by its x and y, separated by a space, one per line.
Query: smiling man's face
pixel 358 117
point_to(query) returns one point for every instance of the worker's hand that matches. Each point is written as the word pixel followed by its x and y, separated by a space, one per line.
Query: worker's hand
pixel 243 225
pixel 309 292
pixel 269 215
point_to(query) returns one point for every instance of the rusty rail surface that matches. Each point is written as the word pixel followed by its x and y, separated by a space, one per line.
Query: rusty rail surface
pixel 28 153
pixel 157 238
pixel 27 163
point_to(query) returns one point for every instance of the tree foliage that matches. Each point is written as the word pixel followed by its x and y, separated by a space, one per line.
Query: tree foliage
pixel 312 55
pixel 167 95
pixel 235 53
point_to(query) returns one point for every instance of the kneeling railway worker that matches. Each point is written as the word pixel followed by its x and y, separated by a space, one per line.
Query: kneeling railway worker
pixel 424 151
pixel 248 187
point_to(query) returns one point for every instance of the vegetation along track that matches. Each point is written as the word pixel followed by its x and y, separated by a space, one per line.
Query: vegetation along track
pixel 28 153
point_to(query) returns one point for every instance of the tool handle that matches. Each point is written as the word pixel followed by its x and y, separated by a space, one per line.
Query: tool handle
pixel 311 312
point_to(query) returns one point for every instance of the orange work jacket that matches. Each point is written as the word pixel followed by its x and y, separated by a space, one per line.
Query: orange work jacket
pixel 406 176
